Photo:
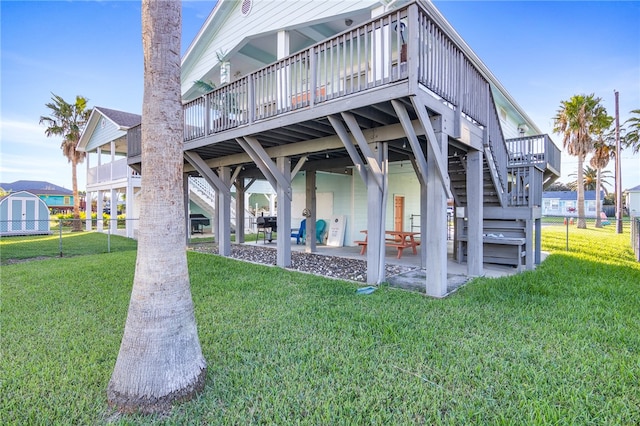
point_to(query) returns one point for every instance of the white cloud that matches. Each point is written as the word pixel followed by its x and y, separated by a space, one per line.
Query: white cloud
pixel 27 154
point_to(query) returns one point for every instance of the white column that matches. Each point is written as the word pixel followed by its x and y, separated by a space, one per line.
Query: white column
pixel 87 198
pixel 88 210
pixel 99 209
pixel 272 203
pixel 129 206
pixel 113 223
pixel 283 80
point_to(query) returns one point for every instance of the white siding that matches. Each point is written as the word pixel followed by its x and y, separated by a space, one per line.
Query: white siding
pixel 267 16
pixel 104 135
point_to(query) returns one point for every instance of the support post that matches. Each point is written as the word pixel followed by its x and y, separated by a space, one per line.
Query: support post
pixel 283 257
pixel 223 201
pixel 475 251
pixel 310 201
pixel 376 214
pixel 240 209
pixel 436 232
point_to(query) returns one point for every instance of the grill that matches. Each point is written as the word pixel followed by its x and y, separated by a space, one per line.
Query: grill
pixel 198 222
pixel 267 225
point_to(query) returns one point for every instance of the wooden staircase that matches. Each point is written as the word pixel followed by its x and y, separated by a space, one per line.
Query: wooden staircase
pixel 509 212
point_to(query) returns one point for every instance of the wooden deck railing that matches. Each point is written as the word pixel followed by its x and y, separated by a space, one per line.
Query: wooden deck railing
pixel 403 44
pixel 538 150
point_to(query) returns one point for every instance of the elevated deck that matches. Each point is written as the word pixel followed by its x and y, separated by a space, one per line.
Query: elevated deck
pixel 400 87
pixel 398 56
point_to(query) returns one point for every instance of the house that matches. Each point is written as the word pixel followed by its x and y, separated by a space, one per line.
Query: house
pixel 633 201
pixel 374 111
pixel 104 140
pixel 23 213
pixel 56 198
pixel 565 203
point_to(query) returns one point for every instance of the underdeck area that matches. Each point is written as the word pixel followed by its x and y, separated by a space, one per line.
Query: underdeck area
pixel 394 89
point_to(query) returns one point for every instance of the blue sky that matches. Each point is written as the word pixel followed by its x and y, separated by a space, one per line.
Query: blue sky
pixel 542 52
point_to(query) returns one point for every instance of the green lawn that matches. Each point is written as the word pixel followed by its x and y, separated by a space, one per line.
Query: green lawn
pixel 559 345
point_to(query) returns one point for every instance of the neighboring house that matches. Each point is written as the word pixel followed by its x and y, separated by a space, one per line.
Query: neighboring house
pixel 108 175
pixel 57 198
pixel 381 107
pixel 23 213
pixel 565 203
pixel 633 201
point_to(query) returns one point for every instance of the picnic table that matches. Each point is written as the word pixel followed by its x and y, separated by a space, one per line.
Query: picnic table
pixel 397 239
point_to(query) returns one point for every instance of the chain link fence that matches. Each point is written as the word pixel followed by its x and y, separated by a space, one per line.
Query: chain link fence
pixel 54 237
pixel 568 233
pixel 60 237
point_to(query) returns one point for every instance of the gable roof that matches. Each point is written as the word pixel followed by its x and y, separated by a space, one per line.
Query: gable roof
pixel 95 135
pixel 570 195
pixel 37 187
pixel 124 120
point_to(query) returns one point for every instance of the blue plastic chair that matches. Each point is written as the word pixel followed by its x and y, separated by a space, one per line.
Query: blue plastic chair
pixel 300 233
pixel 321 225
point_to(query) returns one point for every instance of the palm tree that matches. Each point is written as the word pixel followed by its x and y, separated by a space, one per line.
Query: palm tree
pixel 160 359
pixel 68 120
pixel 632 136
pixel 590 178
pixel 578 119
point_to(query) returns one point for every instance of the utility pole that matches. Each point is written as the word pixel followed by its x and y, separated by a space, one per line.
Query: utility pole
pixel 618 172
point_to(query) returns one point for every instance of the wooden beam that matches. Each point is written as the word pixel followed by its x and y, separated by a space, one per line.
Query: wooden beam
pixel 199 164
pixel 256 159
pixel 298 166
pixel 438 162
pixel 235 174
pixel 328 143
pixel 270 164
pixel 418 156
pixel 349 146
pixel 374 165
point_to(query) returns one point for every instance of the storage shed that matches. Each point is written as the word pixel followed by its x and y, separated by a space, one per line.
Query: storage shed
pixel 23 213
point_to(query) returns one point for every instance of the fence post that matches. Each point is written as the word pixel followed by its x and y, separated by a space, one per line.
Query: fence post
pixel 566 222
pixel 60 236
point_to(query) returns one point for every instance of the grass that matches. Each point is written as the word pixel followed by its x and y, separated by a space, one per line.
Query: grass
pixel 559 345
pixel 66 244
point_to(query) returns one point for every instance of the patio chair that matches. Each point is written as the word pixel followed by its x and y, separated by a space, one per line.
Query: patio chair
pixel 321 225
pixel 299 233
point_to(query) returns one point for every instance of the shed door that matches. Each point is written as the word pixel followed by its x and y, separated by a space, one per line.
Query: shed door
pixel 17 216
pixel 29 214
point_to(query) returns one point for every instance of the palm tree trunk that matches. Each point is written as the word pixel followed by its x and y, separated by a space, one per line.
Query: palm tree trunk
pixel 77 225
pixel 598 206
pixel 160 360
pixel 582 223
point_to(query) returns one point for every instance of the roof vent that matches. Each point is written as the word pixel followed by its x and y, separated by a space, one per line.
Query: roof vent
pixel 246 7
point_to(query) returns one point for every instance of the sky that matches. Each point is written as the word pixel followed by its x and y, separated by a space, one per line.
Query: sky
pixel 543 52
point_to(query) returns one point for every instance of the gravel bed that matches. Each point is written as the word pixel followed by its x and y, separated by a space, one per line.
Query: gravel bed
pixel 328 266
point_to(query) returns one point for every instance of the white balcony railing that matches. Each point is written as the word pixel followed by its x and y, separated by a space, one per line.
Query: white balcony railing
pixel 104 173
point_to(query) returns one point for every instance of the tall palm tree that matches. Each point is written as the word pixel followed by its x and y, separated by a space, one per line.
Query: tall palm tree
pixel 160 359
pixel 578 119
pixel 69 120
pixel 632 136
